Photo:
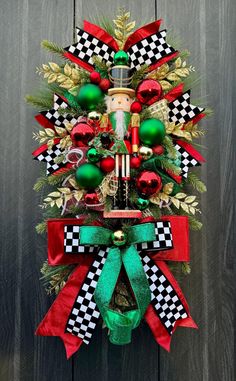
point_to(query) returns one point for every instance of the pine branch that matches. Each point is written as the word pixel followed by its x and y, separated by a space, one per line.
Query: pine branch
pixel 194 223
pixel 39 102
pixel 185 268
pixel 100 66
pixel 53 48
pixel 57 179
pixel 40 183
pixel 161 162
pixel 41 227
pixel 145 114
pixel 169 146
pixel 138 76
pixel 196 183
pixel 55 277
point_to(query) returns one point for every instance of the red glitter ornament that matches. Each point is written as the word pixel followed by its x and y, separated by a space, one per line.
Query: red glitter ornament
pixel 136 107
pixel 105 84
pixel 91 198
pixel 158 150
pixel 107 164
pixel 148 183
pixel 135 162
pixel 81 134
pixel 95 77
pixel 149 91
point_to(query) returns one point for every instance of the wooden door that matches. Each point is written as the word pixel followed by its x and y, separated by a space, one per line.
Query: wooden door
pixel 207 29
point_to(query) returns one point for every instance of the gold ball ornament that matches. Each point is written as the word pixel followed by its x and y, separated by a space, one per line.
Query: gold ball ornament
pixel 145 152
pixel 119 238
pixel 94 115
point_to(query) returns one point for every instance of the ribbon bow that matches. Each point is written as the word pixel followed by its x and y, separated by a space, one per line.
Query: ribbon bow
pixel 87 293
pixel 121 324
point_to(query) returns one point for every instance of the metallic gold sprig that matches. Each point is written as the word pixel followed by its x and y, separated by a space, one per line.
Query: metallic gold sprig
pixel 124 27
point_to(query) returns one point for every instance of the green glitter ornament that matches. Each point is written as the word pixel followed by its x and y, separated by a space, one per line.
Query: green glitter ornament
pixel 152 132
pixel 93 155
pixel 88 176
pixel 121 58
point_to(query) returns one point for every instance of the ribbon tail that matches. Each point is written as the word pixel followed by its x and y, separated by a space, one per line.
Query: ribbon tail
pixel 169 308
pixel 55 320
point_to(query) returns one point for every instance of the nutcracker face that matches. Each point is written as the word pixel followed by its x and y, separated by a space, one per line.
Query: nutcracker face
pixel 119 102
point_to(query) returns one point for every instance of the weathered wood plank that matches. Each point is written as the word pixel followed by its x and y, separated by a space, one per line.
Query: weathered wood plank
pixel 25 357
pixel 207 354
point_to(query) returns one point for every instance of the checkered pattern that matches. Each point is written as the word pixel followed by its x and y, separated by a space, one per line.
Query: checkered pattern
pixel 163 297
pixel 49 156
pixel 57 118
pixel 84 314
pixel 72 244
pixel 181 110
pixel 187 161
pixel 88 45
pixel 163 238
pixel 149 50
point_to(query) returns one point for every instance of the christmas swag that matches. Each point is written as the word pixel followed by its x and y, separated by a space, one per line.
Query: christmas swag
pixel 116 130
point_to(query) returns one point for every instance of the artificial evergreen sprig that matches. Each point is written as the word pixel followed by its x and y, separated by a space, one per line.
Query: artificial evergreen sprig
pixel 196 182
pixel 52 47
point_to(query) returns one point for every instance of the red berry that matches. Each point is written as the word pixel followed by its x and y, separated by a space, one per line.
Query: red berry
pixel 95 77
pixel 107 164
pixel 135 162
pixel 158 150
pixel 136 107
pixel 105 84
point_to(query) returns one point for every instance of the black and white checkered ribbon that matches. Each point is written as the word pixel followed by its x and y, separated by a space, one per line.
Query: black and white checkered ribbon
pixel 187 160
pixel 145 52
pixel 181 110
pixel 84 314
pixel 87 46
pixel 49 156
pixel 55 117
pixel 164 298
pixel 149 50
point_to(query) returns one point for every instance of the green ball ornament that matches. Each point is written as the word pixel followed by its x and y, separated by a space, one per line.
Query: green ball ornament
pixel 89 96
pixel 121 58
pixel 151 132
pixel 93 155
pixel 88 176
pixel 142 203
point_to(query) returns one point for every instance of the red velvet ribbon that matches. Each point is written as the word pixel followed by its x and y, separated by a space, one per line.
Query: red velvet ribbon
pixel 55 321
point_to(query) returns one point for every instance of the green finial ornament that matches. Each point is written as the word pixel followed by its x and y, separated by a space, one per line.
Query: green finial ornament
pixel 121 58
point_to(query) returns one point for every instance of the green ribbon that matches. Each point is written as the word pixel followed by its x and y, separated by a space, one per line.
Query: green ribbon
pixel 121 324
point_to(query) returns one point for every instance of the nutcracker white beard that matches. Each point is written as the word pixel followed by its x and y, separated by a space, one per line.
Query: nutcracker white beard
pixel 120 124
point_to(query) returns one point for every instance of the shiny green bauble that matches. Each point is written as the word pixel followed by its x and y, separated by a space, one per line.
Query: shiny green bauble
pixel 89 96
pixel 121 58
pixel 151 132
pixel 119 238
pixel 142 203
pixel 88 176
pixel 93 155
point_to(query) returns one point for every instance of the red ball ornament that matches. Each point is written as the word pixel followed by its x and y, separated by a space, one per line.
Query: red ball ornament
pixel 91 198
pixel 81 134
pixel 136 107
pixel 148 183
pixel 105 84
pixel 95 77
pixel 107 164
pixel 158 150
pixel 135 162
pixel 149 91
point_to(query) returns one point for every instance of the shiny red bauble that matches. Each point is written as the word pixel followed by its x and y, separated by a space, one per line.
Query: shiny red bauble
pixel 105 84
pixel 136 107
pixel 95 77
pixel 81 134
pixel 148 183
pixel 135 162
pixel 91 198
pixel 149 91
pixel 158 150
pixel 107 164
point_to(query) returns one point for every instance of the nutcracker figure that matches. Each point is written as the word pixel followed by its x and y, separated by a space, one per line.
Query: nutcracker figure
pixel 125 126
